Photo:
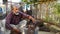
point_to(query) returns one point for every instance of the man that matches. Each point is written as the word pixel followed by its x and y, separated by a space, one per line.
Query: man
pixel 14 17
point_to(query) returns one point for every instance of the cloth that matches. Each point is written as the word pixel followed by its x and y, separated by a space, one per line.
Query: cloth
pixel 21 26
pixel 14 19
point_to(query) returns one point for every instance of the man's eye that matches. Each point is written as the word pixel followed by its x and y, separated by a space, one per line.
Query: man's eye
pixel 16 9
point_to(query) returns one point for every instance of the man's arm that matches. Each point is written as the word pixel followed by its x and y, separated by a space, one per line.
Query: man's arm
pixel 8 19
pixel 28 16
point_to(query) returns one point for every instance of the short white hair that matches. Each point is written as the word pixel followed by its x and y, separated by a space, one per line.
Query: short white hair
pixel 16 5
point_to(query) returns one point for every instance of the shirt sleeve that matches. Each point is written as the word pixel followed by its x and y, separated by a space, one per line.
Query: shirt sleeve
pixel 8 19
pixel 25 15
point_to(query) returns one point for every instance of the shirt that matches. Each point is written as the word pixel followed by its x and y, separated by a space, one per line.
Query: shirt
pixel 14 19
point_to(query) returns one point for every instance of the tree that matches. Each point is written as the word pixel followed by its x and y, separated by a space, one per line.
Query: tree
pixel 57 8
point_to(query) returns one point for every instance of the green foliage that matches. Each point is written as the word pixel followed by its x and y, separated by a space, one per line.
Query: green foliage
pixel 57 8
pixel 47 18
pixel 30 1
pixel 24 0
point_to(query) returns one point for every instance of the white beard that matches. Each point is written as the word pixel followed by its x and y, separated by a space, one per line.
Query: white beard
pixel 17 14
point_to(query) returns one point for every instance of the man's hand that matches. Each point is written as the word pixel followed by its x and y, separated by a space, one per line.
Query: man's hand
pixel 16 30
pixel 30 17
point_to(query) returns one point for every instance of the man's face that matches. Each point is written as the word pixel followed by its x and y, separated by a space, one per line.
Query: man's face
pixel 15 10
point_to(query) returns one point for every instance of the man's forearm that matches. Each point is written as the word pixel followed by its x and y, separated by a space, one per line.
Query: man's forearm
pixel 28 16
pixel 8 26
pixel 11 28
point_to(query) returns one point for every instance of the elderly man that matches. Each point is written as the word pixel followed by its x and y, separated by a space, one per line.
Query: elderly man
pixel 13 20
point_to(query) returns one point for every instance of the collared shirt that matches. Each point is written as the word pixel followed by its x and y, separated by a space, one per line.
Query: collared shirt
pixel 14 19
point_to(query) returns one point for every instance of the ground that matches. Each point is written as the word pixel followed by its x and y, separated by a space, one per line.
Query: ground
pixel 40 32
